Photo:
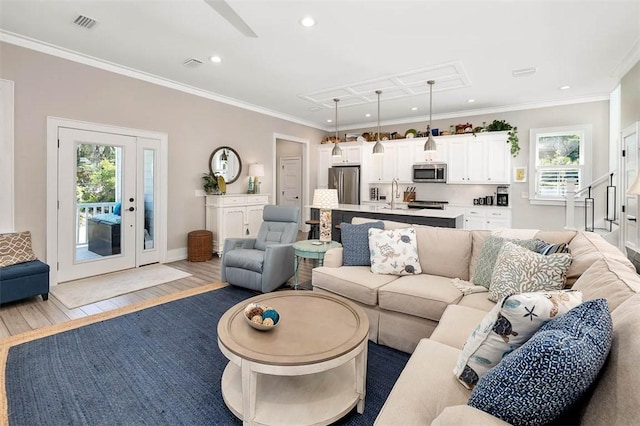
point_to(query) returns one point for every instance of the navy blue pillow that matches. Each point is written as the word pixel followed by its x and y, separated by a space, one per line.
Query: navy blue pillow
pixel 117 208
pixel 537 382
pixel 355 243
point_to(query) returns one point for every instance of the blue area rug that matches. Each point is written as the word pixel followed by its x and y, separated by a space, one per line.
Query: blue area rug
pixel 156 366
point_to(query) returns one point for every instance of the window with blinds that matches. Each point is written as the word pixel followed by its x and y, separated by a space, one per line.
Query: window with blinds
pixel 557 155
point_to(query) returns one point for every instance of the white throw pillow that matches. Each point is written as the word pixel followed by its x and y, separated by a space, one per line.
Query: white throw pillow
pixel 507 327
pixel 519 270
pixel 394 251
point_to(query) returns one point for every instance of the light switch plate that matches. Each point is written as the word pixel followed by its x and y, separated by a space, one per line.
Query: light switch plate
pixel 200 193
pixel 524 195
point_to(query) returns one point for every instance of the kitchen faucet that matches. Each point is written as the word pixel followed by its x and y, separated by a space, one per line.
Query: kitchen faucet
pixel 394 194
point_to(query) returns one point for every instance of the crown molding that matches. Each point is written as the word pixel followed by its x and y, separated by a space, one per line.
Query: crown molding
pixel 50 49
pixel 631 58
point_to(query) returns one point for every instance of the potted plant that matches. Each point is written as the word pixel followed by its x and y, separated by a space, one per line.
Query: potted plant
pixel 210 183
pixel 502 125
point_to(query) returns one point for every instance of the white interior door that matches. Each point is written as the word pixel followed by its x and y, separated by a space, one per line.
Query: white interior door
pixel 96 171
pixel 291 182
pixel 630 215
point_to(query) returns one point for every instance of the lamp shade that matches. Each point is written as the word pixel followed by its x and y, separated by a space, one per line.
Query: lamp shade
pixel 326 198
pixel 256 169
pixel 635 188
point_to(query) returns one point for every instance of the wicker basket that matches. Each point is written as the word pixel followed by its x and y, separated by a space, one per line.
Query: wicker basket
pixel 200 246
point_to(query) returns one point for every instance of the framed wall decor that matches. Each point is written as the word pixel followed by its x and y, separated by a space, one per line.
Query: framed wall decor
pixel 519 174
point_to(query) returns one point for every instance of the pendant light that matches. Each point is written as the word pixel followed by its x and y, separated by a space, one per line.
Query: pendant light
pixel 336 151
pixel 378 148
pixel 430 144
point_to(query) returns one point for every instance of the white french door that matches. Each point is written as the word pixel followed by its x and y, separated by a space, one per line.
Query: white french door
pixel 629 220
pixel 107 207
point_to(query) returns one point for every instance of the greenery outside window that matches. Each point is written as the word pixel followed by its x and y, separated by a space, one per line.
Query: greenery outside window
pixel 556 155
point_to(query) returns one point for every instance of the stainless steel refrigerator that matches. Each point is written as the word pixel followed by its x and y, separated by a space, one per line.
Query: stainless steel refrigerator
pixel 346 179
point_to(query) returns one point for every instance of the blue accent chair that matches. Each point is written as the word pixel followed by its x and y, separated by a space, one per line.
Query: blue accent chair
pixel 266 262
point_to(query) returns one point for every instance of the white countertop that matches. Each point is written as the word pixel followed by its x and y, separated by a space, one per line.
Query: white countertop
pixel 383 209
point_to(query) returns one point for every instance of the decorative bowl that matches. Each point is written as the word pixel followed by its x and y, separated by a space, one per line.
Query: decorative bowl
pixel 261 317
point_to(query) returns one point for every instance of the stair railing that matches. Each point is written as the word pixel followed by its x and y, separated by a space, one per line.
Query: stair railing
pixel 589 204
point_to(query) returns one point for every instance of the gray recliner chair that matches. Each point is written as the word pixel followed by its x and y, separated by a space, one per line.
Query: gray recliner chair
pixel 266 262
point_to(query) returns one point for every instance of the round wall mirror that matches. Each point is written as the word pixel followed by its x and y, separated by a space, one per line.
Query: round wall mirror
pixel 225 161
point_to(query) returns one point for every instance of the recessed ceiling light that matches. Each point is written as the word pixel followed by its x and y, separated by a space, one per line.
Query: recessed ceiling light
pixel 367 115
pixel 216 59
pixel 565 87
pixel 414 108
pixel 471 101
pixel 307 21
pixel 329 121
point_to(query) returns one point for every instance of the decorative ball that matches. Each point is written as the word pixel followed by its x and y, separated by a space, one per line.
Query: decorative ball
pixel 271 314
pixel 267 321
pixel 257 310
pixel 257 319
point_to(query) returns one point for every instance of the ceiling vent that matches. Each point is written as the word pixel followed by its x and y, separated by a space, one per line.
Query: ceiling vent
pixel 85 22
pixel 524 72
pixel 192 63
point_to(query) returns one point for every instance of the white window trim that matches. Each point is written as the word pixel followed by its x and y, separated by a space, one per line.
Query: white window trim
pixel 7 219
pixel 585 152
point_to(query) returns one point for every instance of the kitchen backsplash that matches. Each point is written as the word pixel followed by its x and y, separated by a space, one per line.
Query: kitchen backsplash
pixel 454 194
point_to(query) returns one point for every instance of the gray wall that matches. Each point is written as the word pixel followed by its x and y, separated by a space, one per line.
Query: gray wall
pixel 50 86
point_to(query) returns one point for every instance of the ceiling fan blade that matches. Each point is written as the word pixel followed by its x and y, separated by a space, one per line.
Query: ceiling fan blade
pixel 223 8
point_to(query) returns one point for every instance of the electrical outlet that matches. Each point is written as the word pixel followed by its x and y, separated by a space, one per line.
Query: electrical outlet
pixel 200 193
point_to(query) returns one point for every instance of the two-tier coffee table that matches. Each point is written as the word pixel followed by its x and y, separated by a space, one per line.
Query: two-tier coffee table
pixel 310 369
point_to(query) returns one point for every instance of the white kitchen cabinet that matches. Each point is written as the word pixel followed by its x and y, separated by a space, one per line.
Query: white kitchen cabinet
pixel 487 218
pixel 324 162
pixel 480 159
pixel 396 163
pixel 420 156
pixel 351 153
pixel 233 216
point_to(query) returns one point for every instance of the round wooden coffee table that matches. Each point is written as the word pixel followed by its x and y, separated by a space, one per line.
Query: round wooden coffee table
pixel 310 369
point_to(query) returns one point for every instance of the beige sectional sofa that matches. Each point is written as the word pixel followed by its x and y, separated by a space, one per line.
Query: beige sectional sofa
pixel 429 316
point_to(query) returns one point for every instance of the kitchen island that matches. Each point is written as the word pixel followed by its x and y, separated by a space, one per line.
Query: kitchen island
pixel 447 218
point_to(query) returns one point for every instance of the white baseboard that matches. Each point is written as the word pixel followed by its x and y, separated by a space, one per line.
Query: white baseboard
pixel 176 254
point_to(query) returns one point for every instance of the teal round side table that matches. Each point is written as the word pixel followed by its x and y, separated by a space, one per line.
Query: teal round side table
pixel 311 249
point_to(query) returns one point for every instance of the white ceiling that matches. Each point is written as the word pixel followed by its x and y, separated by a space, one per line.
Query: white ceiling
pixel 469 48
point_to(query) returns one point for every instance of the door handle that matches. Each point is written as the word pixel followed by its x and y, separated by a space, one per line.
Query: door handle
pixel 131 209
pixel 297 198
pixel 631 218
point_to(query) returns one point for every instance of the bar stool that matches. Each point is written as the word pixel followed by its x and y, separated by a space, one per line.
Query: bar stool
pixel 314 232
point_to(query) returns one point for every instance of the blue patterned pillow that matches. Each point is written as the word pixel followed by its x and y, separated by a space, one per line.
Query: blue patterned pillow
pixel 537 382
pixel 355 242
pixel 545 248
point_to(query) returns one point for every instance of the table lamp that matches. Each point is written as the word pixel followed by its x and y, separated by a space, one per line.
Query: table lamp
pixel 325 200
pixel 257 171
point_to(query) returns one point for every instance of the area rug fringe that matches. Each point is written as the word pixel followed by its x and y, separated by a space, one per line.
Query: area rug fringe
pixel 7 343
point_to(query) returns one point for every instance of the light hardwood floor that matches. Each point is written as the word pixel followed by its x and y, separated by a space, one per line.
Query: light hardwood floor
pixel 30 314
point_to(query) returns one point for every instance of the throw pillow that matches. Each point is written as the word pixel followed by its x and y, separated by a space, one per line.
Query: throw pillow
pixel 15 248
pixel 507 327
pixel 394 252
pixel 117 209
pixel 519 270
pixel 355 243
pixel 489 254
pixel 537 382
pixel 545 248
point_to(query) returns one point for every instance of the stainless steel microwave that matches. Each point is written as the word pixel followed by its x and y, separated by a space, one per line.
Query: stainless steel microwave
pixel 430 172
